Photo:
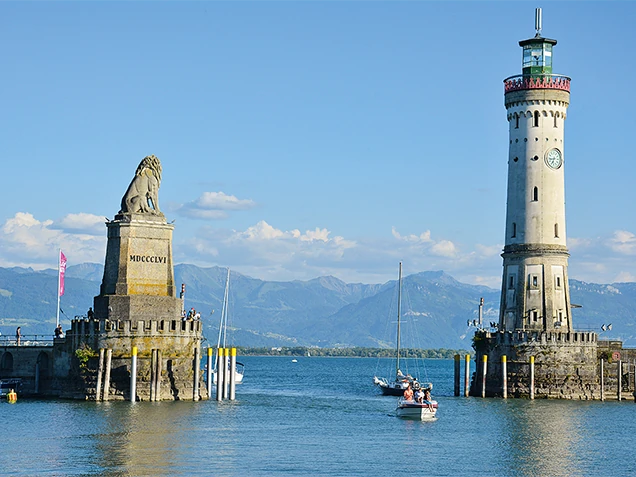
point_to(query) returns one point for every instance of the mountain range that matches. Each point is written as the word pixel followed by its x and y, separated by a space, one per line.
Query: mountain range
pixel 323 312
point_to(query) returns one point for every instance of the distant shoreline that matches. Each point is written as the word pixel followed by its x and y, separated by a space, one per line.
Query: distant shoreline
pixel 440 353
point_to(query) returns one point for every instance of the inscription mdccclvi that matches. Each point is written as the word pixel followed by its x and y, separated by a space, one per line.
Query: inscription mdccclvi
pixel 148 259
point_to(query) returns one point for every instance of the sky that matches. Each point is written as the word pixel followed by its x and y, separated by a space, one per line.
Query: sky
pixel 307 138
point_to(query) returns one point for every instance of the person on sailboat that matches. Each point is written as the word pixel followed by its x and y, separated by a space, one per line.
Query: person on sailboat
pixel 408 393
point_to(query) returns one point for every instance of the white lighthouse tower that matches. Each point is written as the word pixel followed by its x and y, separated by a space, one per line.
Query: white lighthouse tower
pixel 535 293
pixel 534 350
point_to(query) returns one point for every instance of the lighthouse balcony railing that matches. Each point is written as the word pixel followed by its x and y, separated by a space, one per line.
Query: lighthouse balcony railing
pixel 525 82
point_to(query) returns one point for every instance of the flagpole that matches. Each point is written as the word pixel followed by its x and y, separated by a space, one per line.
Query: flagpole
pixel 59 262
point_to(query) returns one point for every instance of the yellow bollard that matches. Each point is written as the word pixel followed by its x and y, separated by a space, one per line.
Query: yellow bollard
pixel 12 397
pixel 133 375
pixel 504 377
pixel 232 379
pixel 467 376
pixel 484 366
pixel 531 377
pixel 208 372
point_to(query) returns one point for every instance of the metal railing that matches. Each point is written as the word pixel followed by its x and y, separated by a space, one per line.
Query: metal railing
pixel 523 82
pixel 27 340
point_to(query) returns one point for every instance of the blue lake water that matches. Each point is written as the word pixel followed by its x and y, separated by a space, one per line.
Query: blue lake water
pixel 319 416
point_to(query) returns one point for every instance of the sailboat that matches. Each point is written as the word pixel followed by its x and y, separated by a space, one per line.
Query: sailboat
pixel 222 339
pixel 396 386
pixel 418 404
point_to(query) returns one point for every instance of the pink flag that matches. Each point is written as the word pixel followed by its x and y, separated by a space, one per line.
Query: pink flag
pixel 62 271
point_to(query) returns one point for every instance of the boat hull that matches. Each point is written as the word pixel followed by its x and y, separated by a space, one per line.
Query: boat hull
pixel 393 389
pixel 416 410
pixel 238 378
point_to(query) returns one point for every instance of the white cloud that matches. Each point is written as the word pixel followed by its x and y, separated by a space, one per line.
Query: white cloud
pixel 624 277
pixel 623 242
pixel 263 231
pixel 424 237
pixel 264 251
pixel 213 206
pixel 28 242
pixel 444 248
pixel 81 224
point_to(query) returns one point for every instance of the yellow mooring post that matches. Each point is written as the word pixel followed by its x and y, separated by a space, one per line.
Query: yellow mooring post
pixel 226 371
pixel 504 377
pixel 133 375
pixel 484 366
pixel 100 372
pixel 209 372
pixel 457 373
pixel 197 369
pixel 531 377
pixel 619 390
pixel 232 374
pixel 220 375
pixel 107 366
pixel 467 376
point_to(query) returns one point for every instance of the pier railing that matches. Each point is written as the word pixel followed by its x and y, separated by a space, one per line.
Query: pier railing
pixel 27 340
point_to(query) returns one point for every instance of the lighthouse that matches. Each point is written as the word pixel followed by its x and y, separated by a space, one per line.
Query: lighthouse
pixel 535 293
pixel 534 349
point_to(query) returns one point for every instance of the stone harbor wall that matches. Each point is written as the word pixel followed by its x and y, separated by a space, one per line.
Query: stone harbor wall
pixel 565 364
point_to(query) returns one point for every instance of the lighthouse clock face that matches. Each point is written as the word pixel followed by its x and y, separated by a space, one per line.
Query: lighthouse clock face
pixel 553 158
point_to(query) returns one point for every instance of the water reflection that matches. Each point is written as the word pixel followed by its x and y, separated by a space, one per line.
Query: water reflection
pixel 146 438
pixel 541 437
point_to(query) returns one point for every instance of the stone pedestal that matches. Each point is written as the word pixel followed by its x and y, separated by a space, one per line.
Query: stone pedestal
pixel 139 256
pixel 137 307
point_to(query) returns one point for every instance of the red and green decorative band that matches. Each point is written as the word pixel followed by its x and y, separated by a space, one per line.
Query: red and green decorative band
pixel 523 82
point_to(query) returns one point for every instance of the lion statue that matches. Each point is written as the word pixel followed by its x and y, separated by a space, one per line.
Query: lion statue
pixel 141 197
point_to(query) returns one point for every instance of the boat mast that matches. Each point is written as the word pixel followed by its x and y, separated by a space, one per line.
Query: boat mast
pixel 223 322
pixel 399 303
pixel 227 306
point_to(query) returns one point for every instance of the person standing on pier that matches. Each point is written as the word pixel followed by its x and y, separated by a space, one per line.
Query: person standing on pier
pixel 18 336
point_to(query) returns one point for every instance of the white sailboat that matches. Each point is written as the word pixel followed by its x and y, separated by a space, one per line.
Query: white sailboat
pixel 416 404
pixel 397 385
pixel 222 339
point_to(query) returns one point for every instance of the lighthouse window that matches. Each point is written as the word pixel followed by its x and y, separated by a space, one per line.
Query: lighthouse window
pixel 516 121
pixel 511 282
pixel 558 282
pixel 514 229
pixel 555 121
pixel 556 230
pixel 535 315
pixel 535 194
pixel 536 119
pixel 535 281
